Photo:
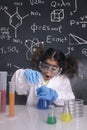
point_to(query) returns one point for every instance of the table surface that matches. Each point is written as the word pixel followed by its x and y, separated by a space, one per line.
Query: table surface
pixel 34 119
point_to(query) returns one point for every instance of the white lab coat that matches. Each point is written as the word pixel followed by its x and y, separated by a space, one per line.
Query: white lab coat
pixel 60 83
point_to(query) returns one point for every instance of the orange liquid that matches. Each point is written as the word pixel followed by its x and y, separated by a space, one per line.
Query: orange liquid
pixel 11 104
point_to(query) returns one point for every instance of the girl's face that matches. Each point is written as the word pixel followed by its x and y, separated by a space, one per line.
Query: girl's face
pixel 49 68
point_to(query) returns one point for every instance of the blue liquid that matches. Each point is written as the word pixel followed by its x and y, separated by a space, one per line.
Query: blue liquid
pixel 43 104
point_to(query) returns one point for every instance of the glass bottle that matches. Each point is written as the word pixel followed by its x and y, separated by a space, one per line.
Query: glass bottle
pixel 66 114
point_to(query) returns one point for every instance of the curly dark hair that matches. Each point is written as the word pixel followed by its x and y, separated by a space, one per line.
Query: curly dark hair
pixel 68 64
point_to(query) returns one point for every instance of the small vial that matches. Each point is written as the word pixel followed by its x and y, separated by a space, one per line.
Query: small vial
pixel 11 99
pixel 66 115
pixel 51 119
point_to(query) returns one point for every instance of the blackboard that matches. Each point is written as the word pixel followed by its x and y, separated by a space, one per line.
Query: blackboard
pixel 61 24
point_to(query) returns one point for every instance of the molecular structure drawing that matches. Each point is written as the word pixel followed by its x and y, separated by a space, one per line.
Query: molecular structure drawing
pixel 15 20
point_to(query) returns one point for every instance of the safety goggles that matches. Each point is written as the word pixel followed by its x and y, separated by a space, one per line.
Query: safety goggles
pixel 45 67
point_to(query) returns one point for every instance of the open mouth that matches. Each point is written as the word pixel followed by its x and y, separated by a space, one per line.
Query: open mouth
pixel 47 77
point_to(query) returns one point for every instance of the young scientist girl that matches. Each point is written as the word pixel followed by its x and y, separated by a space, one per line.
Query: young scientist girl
pixel 50 81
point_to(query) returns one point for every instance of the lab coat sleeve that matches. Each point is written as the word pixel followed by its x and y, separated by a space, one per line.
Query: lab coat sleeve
pixel 20 83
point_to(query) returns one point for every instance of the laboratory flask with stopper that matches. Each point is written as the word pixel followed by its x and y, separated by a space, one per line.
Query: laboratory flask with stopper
pixel 66 114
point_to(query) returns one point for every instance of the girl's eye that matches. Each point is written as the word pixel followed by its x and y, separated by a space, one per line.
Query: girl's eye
pixel 54 69
pixel 46 66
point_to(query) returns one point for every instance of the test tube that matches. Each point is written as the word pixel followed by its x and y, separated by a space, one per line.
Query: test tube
pixel 3 87
pixel 11 99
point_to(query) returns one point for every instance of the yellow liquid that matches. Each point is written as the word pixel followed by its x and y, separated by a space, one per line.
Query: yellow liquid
pixel 66 117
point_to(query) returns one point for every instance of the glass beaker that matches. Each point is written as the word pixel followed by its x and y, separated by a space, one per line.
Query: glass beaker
pixel 11 99
pixel 76 107
pixel 3 87
pixel 51 119
pixel 66 114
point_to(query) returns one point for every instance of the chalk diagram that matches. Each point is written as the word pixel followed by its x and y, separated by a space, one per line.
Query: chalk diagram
pixel 15 20
pixel 76 40
pixel 30 45
pixel 57 15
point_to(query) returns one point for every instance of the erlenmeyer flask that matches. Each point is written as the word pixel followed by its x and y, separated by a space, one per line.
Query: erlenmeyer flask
pixel 66 114
pixel 51 119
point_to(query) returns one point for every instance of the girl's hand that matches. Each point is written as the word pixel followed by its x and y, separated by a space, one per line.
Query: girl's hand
pixel 32 75
pixel 44 92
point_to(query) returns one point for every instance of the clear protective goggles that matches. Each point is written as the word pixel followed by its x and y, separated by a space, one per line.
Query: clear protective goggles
pixel 45 67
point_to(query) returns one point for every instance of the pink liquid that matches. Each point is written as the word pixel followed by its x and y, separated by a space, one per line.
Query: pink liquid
pixel 3 101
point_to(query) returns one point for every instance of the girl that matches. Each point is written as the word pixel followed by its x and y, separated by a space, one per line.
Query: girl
pixel 49 80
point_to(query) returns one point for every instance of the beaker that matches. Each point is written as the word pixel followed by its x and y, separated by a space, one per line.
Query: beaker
pixel 3 87
pixel 66 114
pixel 76 107
pixel 11 99
pixel 51 119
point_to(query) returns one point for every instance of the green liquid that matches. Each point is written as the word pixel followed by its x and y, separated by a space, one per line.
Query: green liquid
pixel 51 120
pixel 66 117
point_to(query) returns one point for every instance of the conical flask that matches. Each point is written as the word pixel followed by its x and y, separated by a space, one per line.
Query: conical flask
pixel 51 119
pixel 66 114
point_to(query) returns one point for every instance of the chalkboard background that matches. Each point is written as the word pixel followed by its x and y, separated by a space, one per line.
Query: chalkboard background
pixel 24 24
